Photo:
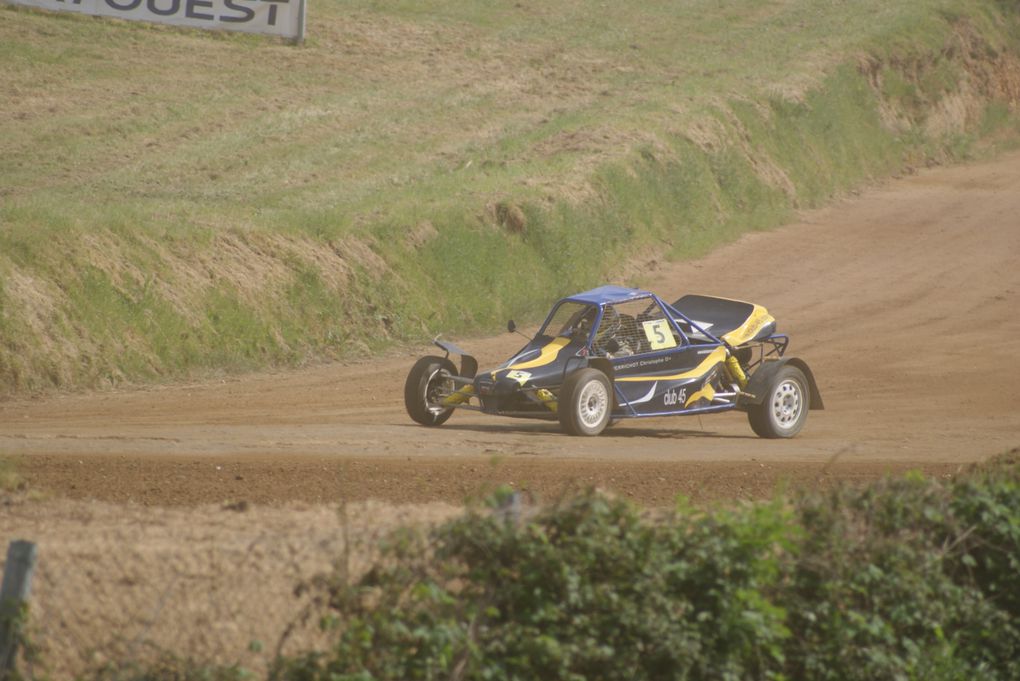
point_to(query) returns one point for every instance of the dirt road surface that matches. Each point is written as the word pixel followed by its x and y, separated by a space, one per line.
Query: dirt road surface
pixel 905 301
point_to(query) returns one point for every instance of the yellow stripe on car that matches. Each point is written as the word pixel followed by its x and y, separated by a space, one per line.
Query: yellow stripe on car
pixel 718 355
pixel 549 353
pixel 708 392
pixel 758 318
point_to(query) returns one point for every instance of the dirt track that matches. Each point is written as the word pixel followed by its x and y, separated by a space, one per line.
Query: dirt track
pixel 904 301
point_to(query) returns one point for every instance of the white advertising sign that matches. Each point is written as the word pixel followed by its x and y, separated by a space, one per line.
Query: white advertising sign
pixel 274 17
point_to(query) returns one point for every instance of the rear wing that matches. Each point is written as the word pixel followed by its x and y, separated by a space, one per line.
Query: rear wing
pixel 732 321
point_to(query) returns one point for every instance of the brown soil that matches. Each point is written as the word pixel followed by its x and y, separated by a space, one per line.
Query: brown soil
pixel 904 301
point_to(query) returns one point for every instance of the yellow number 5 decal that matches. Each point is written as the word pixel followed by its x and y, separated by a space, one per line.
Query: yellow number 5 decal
pixel 519 376
pixel 659 334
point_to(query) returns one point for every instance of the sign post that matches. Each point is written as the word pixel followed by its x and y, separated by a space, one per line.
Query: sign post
pixel 14 592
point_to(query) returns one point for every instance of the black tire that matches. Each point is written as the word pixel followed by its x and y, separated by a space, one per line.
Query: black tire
pixel 784 410
pixel 585 402
pixel 420 388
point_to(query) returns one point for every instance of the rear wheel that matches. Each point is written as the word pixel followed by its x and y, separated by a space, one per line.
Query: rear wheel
pixel 585 402
pixel 422 390
pixel 783 411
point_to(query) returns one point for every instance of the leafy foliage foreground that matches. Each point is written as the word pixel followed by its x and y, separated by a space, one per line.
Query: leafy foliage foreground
pixel 909 578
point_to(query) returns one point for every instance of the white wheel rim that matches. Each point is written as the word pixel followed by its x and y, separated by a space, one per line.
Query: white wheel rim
pixel 592 404
pixel 432 407
pixel 786 404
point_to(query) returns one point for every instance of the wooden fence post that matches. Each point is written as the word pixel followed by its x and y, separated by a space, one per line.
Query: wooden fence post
pixel 14 592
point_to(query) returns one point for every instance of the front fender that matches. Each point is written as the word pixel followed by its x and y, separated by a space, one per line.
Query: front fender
pixel 758 384
pixel 468 364
pixel 603 365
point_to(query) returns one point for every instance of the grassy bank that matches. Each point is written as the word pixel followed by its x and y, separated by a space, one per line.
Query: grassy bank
pixel 173 201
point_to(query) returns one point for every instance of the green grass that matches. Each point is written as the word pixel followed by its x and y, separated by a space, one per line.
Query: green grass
pixel 173 201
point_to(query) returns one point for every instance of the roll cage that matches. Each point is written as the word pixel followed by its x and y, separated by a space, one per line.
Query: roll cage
pixel 689 331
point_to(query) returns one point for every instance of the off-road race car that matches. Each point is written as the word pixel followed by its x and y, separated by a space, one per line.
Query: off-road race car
pixel 615 353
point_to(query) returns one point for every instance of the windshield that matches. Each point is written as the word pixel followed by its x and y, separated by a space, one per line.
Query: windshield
pixel 570 319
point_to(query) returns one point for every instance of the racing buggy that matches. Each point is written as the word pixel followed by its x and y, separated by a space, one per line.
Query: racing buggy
pixel 617 353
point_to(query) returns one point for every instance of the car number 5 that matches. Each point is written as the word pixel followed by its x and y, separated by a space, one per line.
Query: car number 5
pixel 658 333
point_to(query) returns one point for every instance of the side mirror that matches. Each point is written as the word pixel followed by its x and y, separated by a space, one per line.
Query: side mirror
pixel 612 346
pixel 511 326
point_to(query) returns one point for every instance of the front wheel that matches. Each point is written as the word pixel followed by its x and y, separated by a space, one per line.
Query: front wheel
pixel 585 402
pixel 422 393
pixel 783 411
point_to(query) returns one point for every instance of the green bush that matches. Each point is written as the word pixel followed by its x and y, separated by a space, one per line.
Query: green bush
pixel 882 588
pixel 587 589
pixel 906 579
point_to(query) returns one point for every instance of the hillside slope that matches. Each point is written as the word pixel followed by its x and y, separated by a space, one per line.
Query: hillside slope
pixel 173 201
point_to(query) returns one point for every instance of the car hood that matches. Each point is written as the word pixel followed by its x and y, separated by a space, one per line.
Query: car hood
pixel 541 363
